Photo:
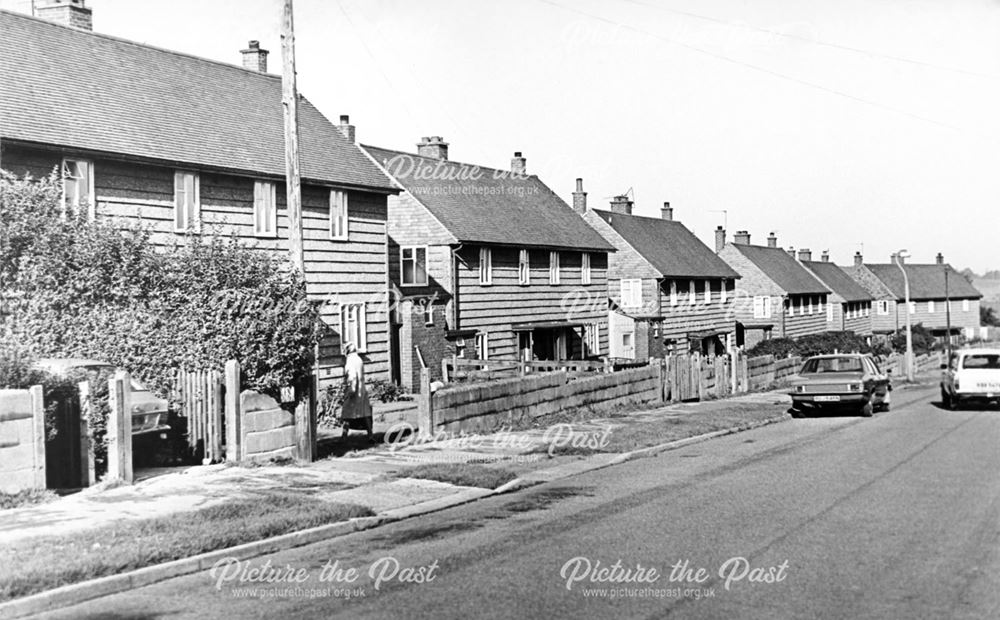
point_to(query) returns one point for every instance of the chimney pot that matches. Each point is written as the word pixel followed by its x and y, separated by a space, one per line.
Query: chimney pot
pixel 805 254
pixel 720 238
pixel 859 259
pixel 433 147
pixel 667 212
pixel 621 204
pixel 772 240
pixel 741 237
pixel 791 251
pixel 940 258
pixel 580 198
pixel 346 128
pixel 255 58
pixel 825 256
pixel 518 164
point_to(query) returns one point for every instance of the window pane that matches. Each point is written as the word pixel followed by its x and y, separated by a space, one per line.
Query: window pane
pixel 421 265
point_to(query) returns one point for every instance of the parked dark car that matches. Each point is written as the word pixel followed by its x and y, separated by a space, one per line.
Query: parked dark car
pixel 844 381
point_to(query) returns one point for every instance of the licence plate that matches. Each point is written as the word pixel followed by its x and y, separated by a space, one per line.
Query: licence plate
pixel 828 399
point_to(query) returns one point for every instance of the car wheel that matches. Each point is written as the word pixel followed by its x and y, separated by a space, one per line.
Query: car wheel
pixel 946 399
pixel 867 409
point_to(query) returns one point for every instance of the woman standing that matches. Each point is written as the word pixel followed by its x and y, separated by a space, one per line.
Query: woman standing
pixel 357 411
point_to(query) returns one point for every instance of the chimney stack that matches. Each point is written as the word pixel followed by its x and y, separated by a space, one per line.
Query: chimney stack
pixel 940 258
pixel 772 240
pixel 433 147
pixel 518 165
pixel 346 127
pixel 858 259
pixel 667 212
pixel 580 198
pixel 805 255
pixel 825 256
pixel 791 251
pixel 720 238
pixel 741 237
pixel 66 12
pixel 255 58
pixel 621 204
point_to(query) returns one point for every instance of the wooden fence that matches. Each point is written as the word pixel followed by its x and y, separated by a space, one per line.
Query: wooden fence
pixel 458 369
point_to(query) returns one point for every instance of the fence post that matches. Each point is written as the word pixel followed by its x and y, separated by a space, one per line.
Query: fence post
pixel 608 367
pixel 120 428
pixel 233 417
pixel 659 377
pixel 444 370
pixel 305 410
pixel 38 434
pixel 86 445
pixel 425 405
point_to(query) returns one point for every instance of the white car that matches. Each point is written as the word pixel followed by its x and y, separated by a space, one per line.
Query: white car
pixel 972 375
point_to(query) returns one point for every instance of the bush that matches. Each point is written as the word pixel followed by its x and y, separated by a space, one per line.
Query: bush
pixel 923 341
pixel 778 347
pixel 813 344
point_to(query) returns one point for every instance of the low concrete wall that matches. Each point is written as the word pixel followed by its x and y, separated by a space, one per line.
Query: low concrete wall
pixel 484 407
pixel 268 431
pixel 22 440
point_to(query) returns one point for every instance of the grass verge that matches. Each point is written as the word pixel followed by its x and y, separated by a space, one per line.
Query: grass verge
pixel 462 474
pixel 45 562
pixel 28 497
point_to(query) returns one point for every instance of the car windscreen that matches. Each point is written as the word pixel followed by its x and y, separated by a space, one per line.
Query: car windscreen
pixel 981 362
pixel 832 364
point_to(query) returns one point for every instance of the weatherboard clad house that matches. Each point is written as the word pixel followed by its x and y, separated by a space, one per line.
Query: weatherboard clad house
pixel 669 292
pixel 488 264
pixel 184 145
pixel 849 307
pixel 777 297
pixel 931 295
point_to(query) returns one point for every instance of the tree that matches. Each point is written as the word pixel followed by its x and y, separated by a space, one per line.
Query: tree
pixel 988 316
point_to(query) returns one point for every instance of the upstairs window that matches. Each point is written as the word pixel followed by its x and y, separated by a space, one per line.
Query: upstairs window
pixel 338 215
pixel 187 201
pixel 524 268
pixel 692 294
pixel 883 307
pixel 762 307
pixel 723 286
pixel 78 186
pixel 708 292
pixel 413 266
pixel 265 209
pixel 965 305
pixel 554 275
pixel 930 307
pixel 485 266
pixel 673 293
pixel 631 293
pixel 585 269
pixel 913 307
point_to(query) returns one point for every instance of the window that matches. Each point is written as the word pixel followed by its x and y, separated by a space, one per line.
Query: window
pixel 791 307
pixel 692 295
pixel 483 346
pixel 868 308
pixel 913 307
pixel 883 307
pixel 353 326
pixel 591 339
pixel 413 266
pixel 553 267
pixel 722 290
pixel 78 185
pixel 485 266
pixel 631 293
pixel 187 202
pixel 829 313
pixel 965 305
pixel 265 209
pixel 428 311
pixel 930 307
pixel 762 307
pixel 810 305
pixel 819 305
pixel 673 293
pixel 338 214
pixel 524 268
pixel 585 269
pixel 708 291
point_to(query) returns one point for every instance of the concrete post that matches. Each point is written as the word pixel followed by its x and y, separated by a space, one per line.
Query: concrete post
pixel 120 428
pixel 305 422
pixel 38 434
pixel 87 474
pixel 425 405
pixel 233 418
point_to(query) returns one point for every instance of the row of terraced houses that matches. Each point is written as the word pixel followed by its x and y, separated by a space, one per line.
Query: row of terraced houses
pixel 412 256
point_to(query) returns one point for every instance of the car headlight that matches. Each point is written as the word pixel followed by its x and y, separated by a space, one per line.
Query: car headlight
pixel 800 388
pixel 956 382
pixel 854 387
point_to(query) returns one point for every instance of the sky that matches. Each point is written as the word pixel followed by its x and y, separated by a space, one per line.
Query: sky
pixel 844 126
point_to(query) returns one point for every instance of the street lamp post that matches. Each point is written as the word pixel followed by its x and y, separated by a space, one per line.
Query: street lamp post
pixel 909 332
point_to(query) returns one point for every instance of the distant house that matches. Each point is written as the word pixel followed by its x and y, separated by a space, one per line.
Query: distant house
pixel 936 291
pixel 489 264
pixel 777 297
pixel 183 145
pixel 669 292
pixel 849 307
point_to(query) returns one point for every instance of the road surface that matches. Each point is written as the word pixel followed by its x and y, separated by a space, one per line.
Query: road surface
pixel 896 516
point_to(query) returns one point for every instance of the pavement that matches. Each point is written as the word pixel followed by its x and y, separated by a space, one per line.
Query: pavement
pixel 894 516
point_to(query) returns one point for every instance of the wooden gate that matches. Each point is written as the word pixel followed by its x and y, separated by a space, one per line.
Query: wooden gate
pixel 202 400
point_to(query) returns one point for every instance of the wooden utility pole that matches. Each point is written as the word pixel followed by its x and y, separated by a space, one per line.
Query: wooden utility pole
pixel 290 101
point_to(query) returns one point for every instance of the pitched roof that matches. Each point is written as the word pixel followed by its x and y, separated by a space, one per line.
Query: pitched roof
pixel 77 89
pixel 926 281
pixel 483 205
pixel 786 272
pixel 668 246
pixel 837 280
